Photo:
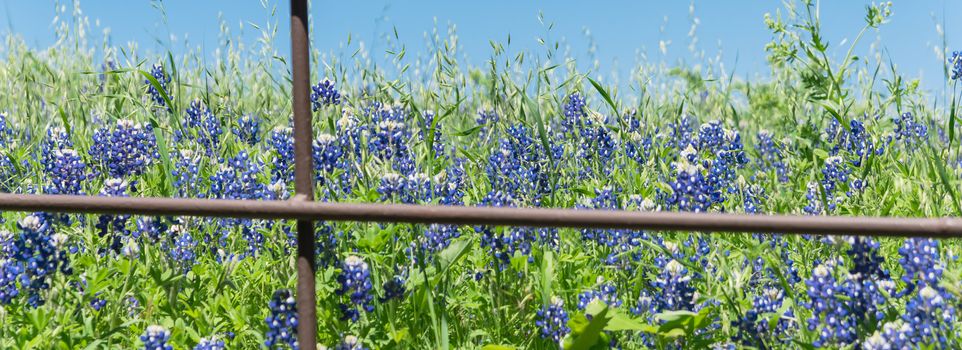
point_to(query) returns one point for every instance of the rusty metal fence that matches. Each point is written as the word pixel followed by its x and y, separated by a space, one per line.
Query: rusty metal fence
pixel 302 208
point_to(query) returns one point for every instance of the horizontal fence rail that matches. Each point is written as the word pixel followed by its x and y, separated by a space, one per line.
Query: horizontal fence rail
pixel 300 209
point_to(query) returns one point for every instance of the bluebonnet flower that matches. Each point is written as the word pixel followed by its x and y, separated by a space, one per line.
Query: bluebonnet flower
pixel 726 147
pixel 415 188
pixel 61 164
pixel 282 143
pixel 389 137
pixel 324 94
pixel 771 156
pixel 237 178
pixel 97 303
pixel 855 140
pixel 834 175
pixel 597 144
pixel 200 125
pixel 355 281
pixel 394 288
pixel 34 257
pixel 325 246
pixel 893 336
pixel 519 167
pixel 638 147
pixel 866 261
pixel 681 132
pixel 132 305
pixel 930 318
pixel 150 228
pixel 449 186
pixel 157 71
pixel 328 152
pixel 282 321
pixel 754 326
pixel 622 244
pixel 711 136
pixel 606 293
pixel 427 125
pixel 186 172
pixel 574 110
pixel 182 252
pixel 503 243
pixel 690 189
pixel 674 288
pixel 437 237
pixel 66 172
pixel 57 139
pixel 552 320
pixel 125 150
pixel 486 117
pixel 814 206
pixel 920 260
pixel 956 63
pixel 248 129
pixel 909 131
pixel 393 187
pixel 348 129
pixel 841 308
pixel 155 338
pixel 211 343
pixel 10 268
pixel 830 316
pixel 113 227
pixel 350 342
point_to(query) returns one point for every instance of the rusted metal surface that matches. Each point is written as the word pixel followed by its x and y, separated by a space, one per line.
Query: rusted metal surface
pixel 303 175
pixel 306 210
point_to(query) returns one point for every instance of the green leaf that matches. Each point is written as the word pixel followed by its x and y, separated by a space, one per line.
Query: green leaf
pixel 944 176
pixel 163 93
pixel 604 94
pixel 454 252
pixel 468 132
pixel 497 347
pixel 589 335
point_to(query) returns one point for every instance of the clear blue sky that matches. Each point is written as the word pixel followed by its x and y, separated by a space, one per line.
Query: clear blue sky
pixel 619 29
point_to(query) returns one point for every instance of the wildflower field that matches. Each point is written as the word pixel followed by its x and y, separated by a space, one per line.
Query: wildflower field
pixel 820 136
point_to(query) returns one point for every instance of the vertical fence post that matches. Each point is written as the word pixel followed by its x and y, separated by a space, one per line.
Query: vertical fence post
pixel 303 176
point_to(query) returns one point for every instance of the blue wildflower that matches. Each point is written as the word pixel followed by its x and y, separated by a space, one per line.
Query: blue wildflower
pixel 324 94
pixel 552 320
pixel 282 143
pixel 394 288
pixel 200 125
pixel 606 293
pixel 66 172
pixel 956 63
pixel 771 156
pixel 211 343
pixel 573 111
pixel 125 150
pixel 156 338
pixel 182 250
pixel 157 72
pixel 35 255
pixel 186 172
pixel 350 342
pixel 921 263
pixel 930 318
pixel 909 131
pixel 114 227
pixel 248 129
pixel 355 281
pixel 282 321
